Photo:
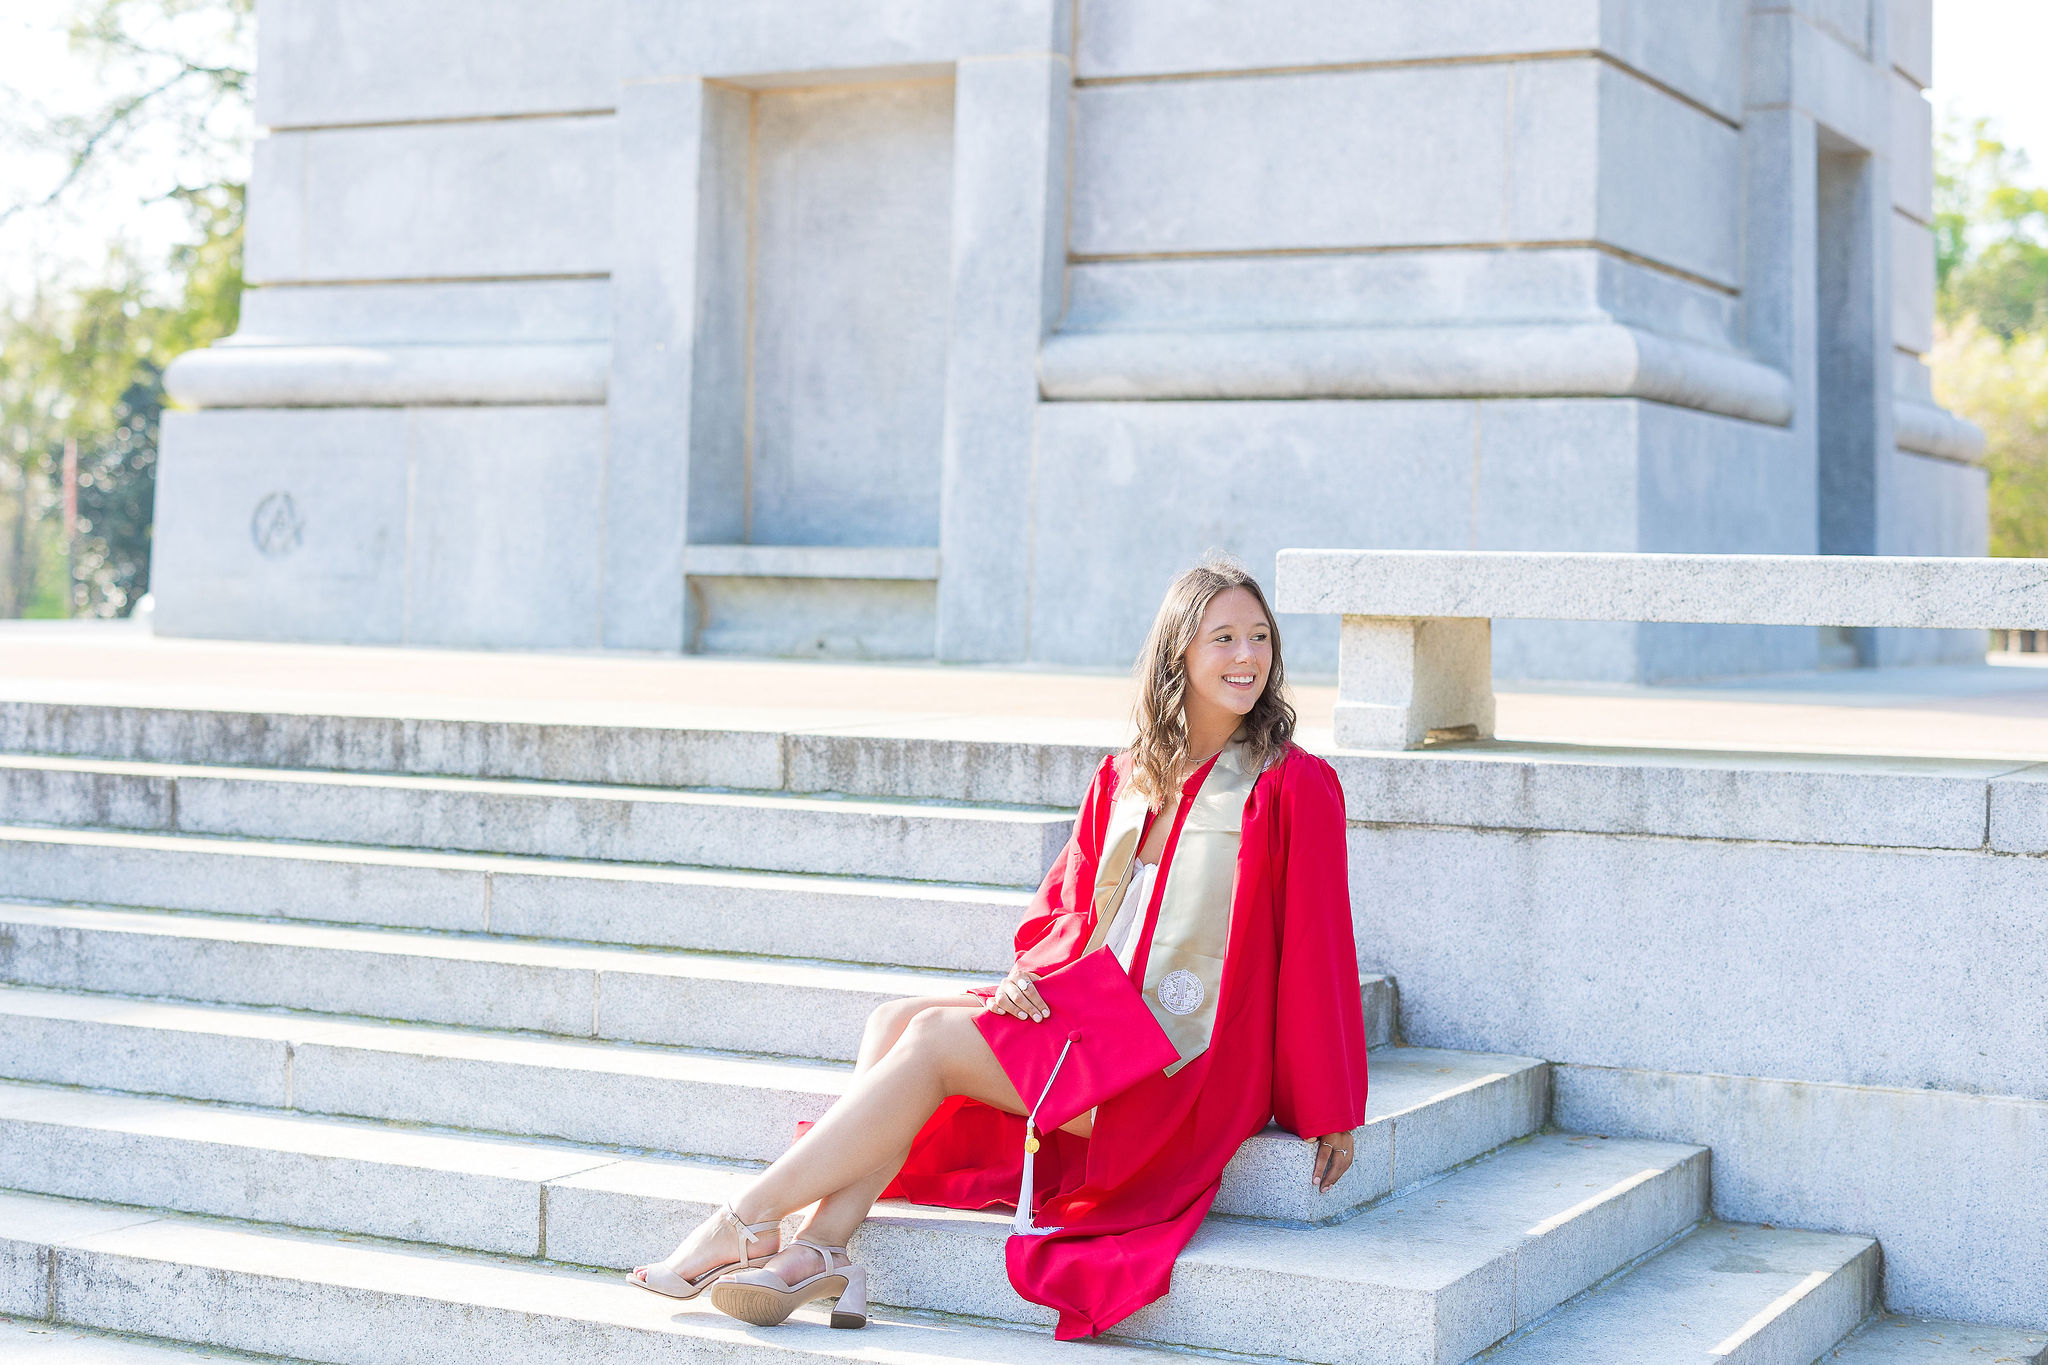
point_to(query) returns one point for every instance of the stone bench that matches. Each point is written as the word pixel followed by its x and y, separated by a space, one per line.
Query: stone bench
pixel 1415 655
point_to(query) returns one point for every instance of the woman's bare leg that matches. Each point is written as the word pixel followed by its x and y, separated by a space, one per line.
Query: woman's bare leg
pixel 840 1212
pixel 940 1054
pixel 833 1221
pixel 913 1055
pixel 886 1024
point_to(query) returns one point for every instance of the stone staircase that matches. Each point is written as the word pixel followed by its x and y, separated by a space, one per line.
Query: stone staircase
pixel 389 1042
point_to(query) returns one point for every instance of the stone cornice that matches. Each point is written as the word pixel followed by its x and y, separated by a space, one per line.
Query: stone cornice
pixel 240 376
pixel 1602 359
pixel 1926 429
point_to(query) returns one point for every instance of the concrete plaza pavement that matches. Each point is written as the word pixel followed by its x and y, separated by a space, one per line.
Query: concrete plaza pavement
pixel 1998 709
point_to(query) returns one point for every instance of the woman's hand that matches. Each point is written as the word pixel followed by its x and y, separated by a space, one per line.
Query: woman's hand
pixel 1333 1158
pixel 1018 997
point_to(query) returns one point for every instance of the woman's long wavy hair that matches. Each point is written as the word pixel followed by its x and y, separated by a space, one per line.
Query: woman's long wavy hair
pixel 1159 755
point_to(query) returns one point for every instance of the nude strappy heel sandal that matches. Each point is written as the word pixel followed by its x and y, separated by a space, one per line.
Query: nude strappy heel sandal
pixel 760 1297
pixel 749 1232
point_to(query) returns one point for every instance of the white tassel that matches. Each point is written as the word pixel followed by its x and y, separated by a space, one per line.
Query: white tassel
pixel 1025 1190
pixel 1022 1222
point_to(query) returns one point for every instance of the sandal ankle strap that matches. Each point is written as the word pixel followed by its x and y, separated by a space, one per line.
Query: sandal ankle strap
pixel 749 1232
pixel 824 1252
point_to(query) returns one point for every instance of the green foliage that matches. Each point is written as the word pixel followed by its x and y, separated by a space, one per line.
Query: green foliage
pixel 85 365
pixel 165 73
pixel 1990 233
pixel 88 367
pixel 2002 386
pixel 1990 357
pixel 2005 289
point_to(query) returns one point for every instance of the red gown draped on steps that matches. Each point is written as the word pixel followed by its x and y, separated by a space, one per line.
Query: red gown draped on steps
pixel 1289 1044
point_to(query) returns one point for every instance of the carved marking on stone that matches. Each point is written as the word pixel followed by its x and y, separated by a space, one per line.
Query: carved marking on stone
pixel 275 526
pixel 1181 992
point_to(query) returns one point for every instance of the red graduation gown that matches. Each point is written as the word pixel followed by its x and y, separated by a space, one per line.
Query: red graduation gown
pixel 1289 1044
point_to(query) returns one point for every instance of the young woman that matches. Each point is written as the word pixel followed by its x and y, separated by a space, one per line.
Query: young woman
pixel 1213 830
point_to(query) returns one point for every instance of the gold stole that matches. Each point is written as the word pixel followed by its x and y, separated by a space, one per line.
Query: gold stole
pixel 1184 970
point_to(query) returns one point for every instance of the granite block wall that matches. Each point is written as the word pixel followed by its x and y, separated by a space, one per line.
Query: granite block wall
pixel 997 284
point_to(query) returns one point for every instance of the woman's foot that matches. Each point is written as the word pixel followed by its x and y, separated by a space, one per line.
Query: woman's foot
pixel 718 1244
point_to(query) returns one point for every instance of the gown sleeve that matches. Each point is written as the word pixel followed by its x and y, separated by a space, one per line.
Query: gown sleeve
pixel 1319 1065
pixel 1062 914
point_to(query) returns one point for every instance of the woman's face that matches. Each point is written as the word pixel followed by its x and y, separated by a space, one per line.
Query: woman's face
pixel 1232 653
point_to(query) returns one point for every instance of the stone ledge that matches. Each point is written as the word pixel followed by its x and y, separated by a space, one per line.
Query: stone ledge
pixel 231 376
pixel 1926 429
pixel 63 1344
pixel 1946 593
pixel 1920 1340
pixel 1570 360
pixel 2019 812
pixel 1864 966
pixel 1841 799
pixel 1947 1182
pixel 1765 1292
pixel 1778 798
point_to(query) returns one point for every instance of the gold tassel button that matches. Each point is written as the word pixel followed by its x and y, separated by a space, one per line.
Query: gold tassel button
pixel 1030 1145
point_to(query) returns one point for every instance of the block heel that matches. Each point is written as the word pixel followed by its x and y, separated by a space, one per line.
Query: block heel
pixel 852 1308
pixel 759 1296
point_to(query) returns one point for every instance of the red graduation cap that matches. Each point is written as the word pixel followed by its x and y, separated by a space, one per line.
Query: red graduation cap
pixel 1098 1040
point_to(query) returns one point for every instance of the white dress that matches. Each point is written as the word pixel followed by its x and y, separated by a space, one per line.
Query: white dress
pixel 1130 915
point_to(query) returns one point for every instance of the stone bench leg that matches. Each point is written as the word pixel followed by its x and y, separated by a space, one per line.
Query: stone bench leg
pixel 1398 678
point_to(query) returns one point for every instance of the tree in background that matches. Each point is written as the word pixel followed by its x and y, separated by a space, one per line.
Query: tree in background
pixel 81 367
pixel 1990 357
pixel 2001 384
pixel 85 370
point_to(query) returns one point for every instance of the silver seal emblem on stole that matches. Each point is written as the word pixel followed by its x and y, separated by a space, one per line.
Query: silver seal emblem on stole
pixel 1181 992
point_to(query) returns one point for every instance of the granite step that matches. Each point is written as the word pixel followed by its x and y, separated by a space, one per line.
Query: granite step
pixel 283 1295
pixel 1037 762
pixel 1905 1340
pixel 769 832
pixel 1434 1274
pixel 1727 1294
pixel 31 1341
pixel 1431 1275
pixel 461 1189
pixel 773 1006
pixel 847 919
pixel 1430 1110
pixel 916 925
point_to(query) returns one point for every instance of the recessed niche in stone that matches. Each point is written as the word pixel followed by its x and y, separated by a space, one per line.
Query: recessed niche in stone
pixel 844 618
pixel 825 268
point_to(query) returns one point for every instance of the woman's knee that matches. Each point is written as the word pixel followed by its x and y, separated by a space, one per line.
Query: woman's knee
pixel 887 1020
pixel 890 1021
pixel 945 1042
pixel 933 1033
pixel 924 1025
